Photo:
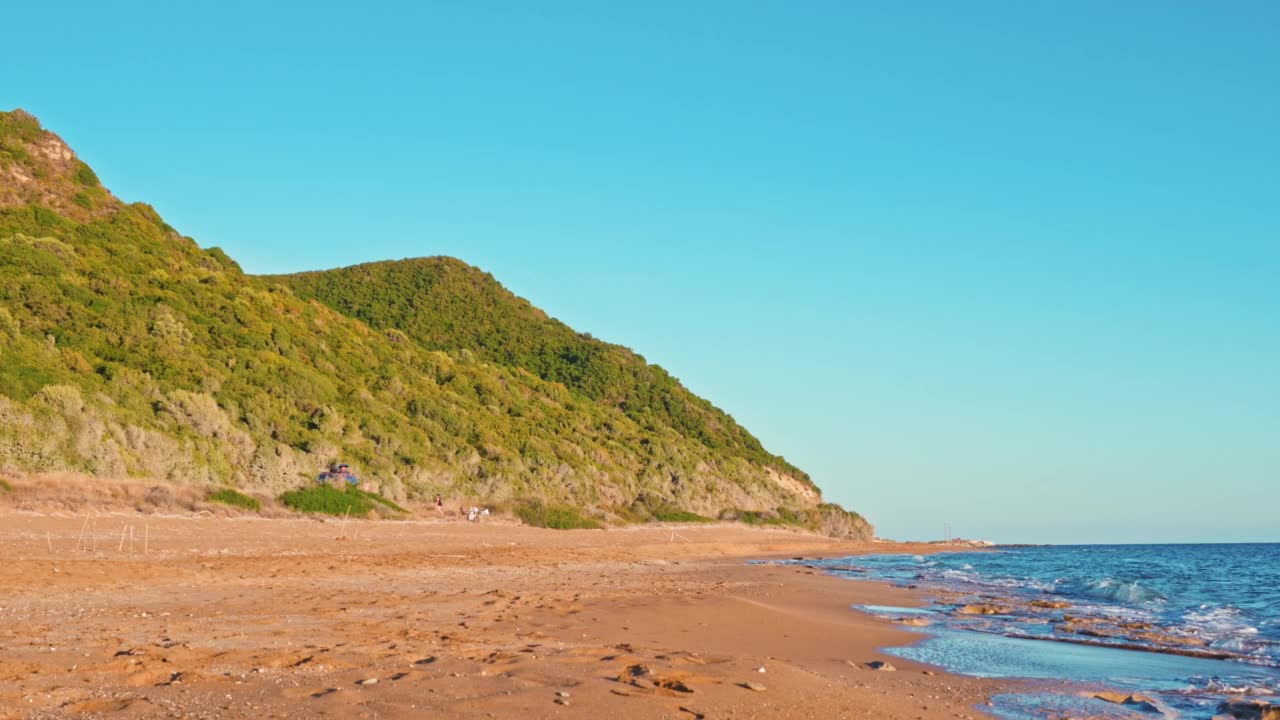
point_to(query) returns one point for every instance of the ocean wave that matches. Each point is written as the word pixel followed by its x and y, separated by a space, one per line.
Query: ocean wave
pixel 1226 687
pixel 1229 628
pixel 1236 645
pixel 1131 592
pixel 968 576
pixel 1225 619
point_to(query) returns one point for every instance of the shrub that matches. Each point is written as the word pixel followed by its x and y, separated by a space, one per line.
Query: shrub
pixel 334 501
pixel 5 487
pixel 8 326
pixel 835 521
pixel 684 516
pixel 827 519
pixel 65 399
pixel 328 500
pixel 383 501
pixel 86 176
pixel 558 517
pixel 13 151
pixel 759 517
pixel 630 515
pixel 787 516
pixel 198 411
pixel 235 498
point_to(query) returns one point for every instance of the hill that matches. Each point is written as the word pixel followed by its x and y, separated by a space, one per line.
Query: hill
pixel 445 304
pixel 126 350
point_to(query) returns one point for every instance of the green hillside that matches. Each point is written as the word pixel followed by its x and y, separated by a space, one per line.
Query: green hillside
pixel 444 304
pixel 126 350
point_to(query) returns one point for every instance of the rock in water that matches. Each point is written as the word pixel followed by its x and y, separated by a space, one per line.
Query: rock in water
pixel 1132 700
pixel 1250 710
pixel 983 609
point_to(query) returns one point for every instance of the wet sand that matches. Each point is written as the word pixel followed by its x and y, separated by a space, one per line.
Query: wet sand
pixel 201 617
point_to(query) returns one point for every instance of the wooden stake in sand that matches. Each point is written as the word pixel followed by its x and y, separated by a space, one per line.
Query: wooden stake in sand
pixel 124 529
pixel 48 540
pixel 146 539
pixel 83 528
pixel 131 539
pixel 94 537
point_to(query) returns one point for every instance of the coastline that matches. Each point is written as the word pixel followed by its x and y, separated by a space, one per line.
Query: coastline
pixel 248 617
pixel 1095 631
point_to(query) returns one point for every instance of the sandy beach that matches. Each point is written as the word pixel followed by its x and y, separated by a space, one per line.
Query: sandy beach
pixel 128 615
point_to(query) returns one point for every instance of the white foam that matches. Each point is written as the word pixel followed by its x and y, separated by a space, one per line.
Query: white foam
pixel 1121 591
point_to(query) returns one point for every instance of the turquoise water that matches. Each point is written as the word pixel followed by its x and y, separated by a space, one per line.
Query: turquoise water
pixel 1204 619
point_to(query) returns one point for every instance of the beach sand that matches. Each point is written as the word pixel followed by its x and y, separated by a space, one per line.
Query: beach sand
pixel 202 617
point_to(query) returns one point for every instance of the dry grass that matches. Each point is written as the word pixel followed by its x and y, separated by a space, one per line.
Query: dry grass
pixel 75 493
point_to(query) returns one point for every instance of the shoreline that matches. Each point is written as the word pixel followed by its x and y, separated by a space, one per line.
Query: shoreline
pixel 279 618
pixel 1077 641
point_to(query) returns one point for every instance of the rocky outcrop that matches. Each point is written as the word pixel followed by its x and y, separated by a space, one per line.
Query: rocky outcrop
pixel 984 609
pixel 1134 701
pixel 1249 710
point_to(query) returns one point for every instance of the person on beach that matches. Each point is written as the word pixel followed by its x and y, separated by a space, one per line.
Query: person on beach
pixel 439 504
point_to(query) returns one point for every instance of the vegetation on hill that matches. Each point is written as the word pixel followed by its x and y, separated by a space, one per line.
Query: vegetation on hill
pixel 680 516
pixel 126 350
pixel 557 517
pixel 330 500
pixel 235 498
pixel 445 304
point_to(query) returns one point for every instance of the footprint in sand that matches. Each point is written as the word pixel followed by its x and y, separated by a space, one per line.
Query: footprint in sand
pixel 105 706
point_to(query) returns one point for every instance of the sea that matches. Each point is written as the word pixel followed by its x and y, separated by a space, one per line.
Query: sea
pixel 1186 626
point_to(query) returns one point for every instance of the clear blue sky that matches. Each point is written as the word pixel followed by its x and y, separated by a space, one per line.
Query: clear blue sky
pixel 1012 265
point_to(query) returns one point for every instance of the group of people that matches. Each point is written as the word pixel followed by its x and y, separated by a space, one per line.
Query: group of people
pixel 475 514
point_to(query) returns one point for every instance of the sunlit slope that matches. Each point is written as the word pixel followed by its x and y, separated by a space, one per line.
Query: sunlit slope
pixel 128 350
